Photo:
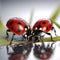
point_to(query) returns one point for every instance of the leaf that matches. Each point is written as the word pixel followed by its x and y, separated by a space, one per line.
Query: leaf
pixel 54 16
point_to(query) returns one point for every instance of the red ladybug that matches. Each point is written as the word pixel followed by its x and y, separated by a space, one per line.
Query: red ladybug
pixel 17 26
pixel 43 26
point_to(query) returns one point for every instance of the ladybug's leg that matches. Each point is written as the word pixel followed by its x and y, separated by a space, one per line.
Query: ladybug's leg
pixel 7 49
pixel 41 39
pixel 7 33
pixel 12 39
pixel 50 35
pixel 54 30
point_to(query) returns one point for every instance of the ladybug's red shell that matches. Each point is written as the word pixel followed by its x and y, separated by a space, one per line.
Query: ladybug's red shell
pixel 41 24
pixel 17 25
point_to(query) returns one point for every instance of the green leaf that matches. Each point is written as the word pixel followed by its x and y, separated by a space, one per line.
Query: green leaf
pixel 55 13
pixel 54 16
pixel 1 25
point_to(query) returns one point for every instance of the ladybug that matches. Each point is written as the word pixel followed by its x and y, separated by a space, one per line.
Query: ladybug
pixel 20 27
pixel 43 52
pixel 20 52
pixel 17 26
pixel 43 25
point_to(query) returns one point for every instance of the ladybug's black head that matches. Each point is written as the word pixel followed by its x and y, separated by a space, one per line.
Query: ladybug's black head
pixel 27 31
pixel 32 35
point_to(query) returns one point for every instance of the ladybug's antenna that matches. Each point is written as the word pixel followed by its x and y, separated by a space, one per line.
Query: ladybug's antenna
pixel 31 16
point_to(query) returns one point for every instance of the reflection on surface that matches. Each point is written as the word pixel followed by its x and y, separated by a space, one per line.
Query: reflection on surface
pixel 5 56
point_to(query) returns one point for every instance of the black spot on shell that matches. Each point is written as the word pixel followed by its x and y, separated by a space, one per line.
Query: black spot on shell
pixel 19 23
pixel 46 28
pixel 43 22
pixel 19 30
pixel 11 23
